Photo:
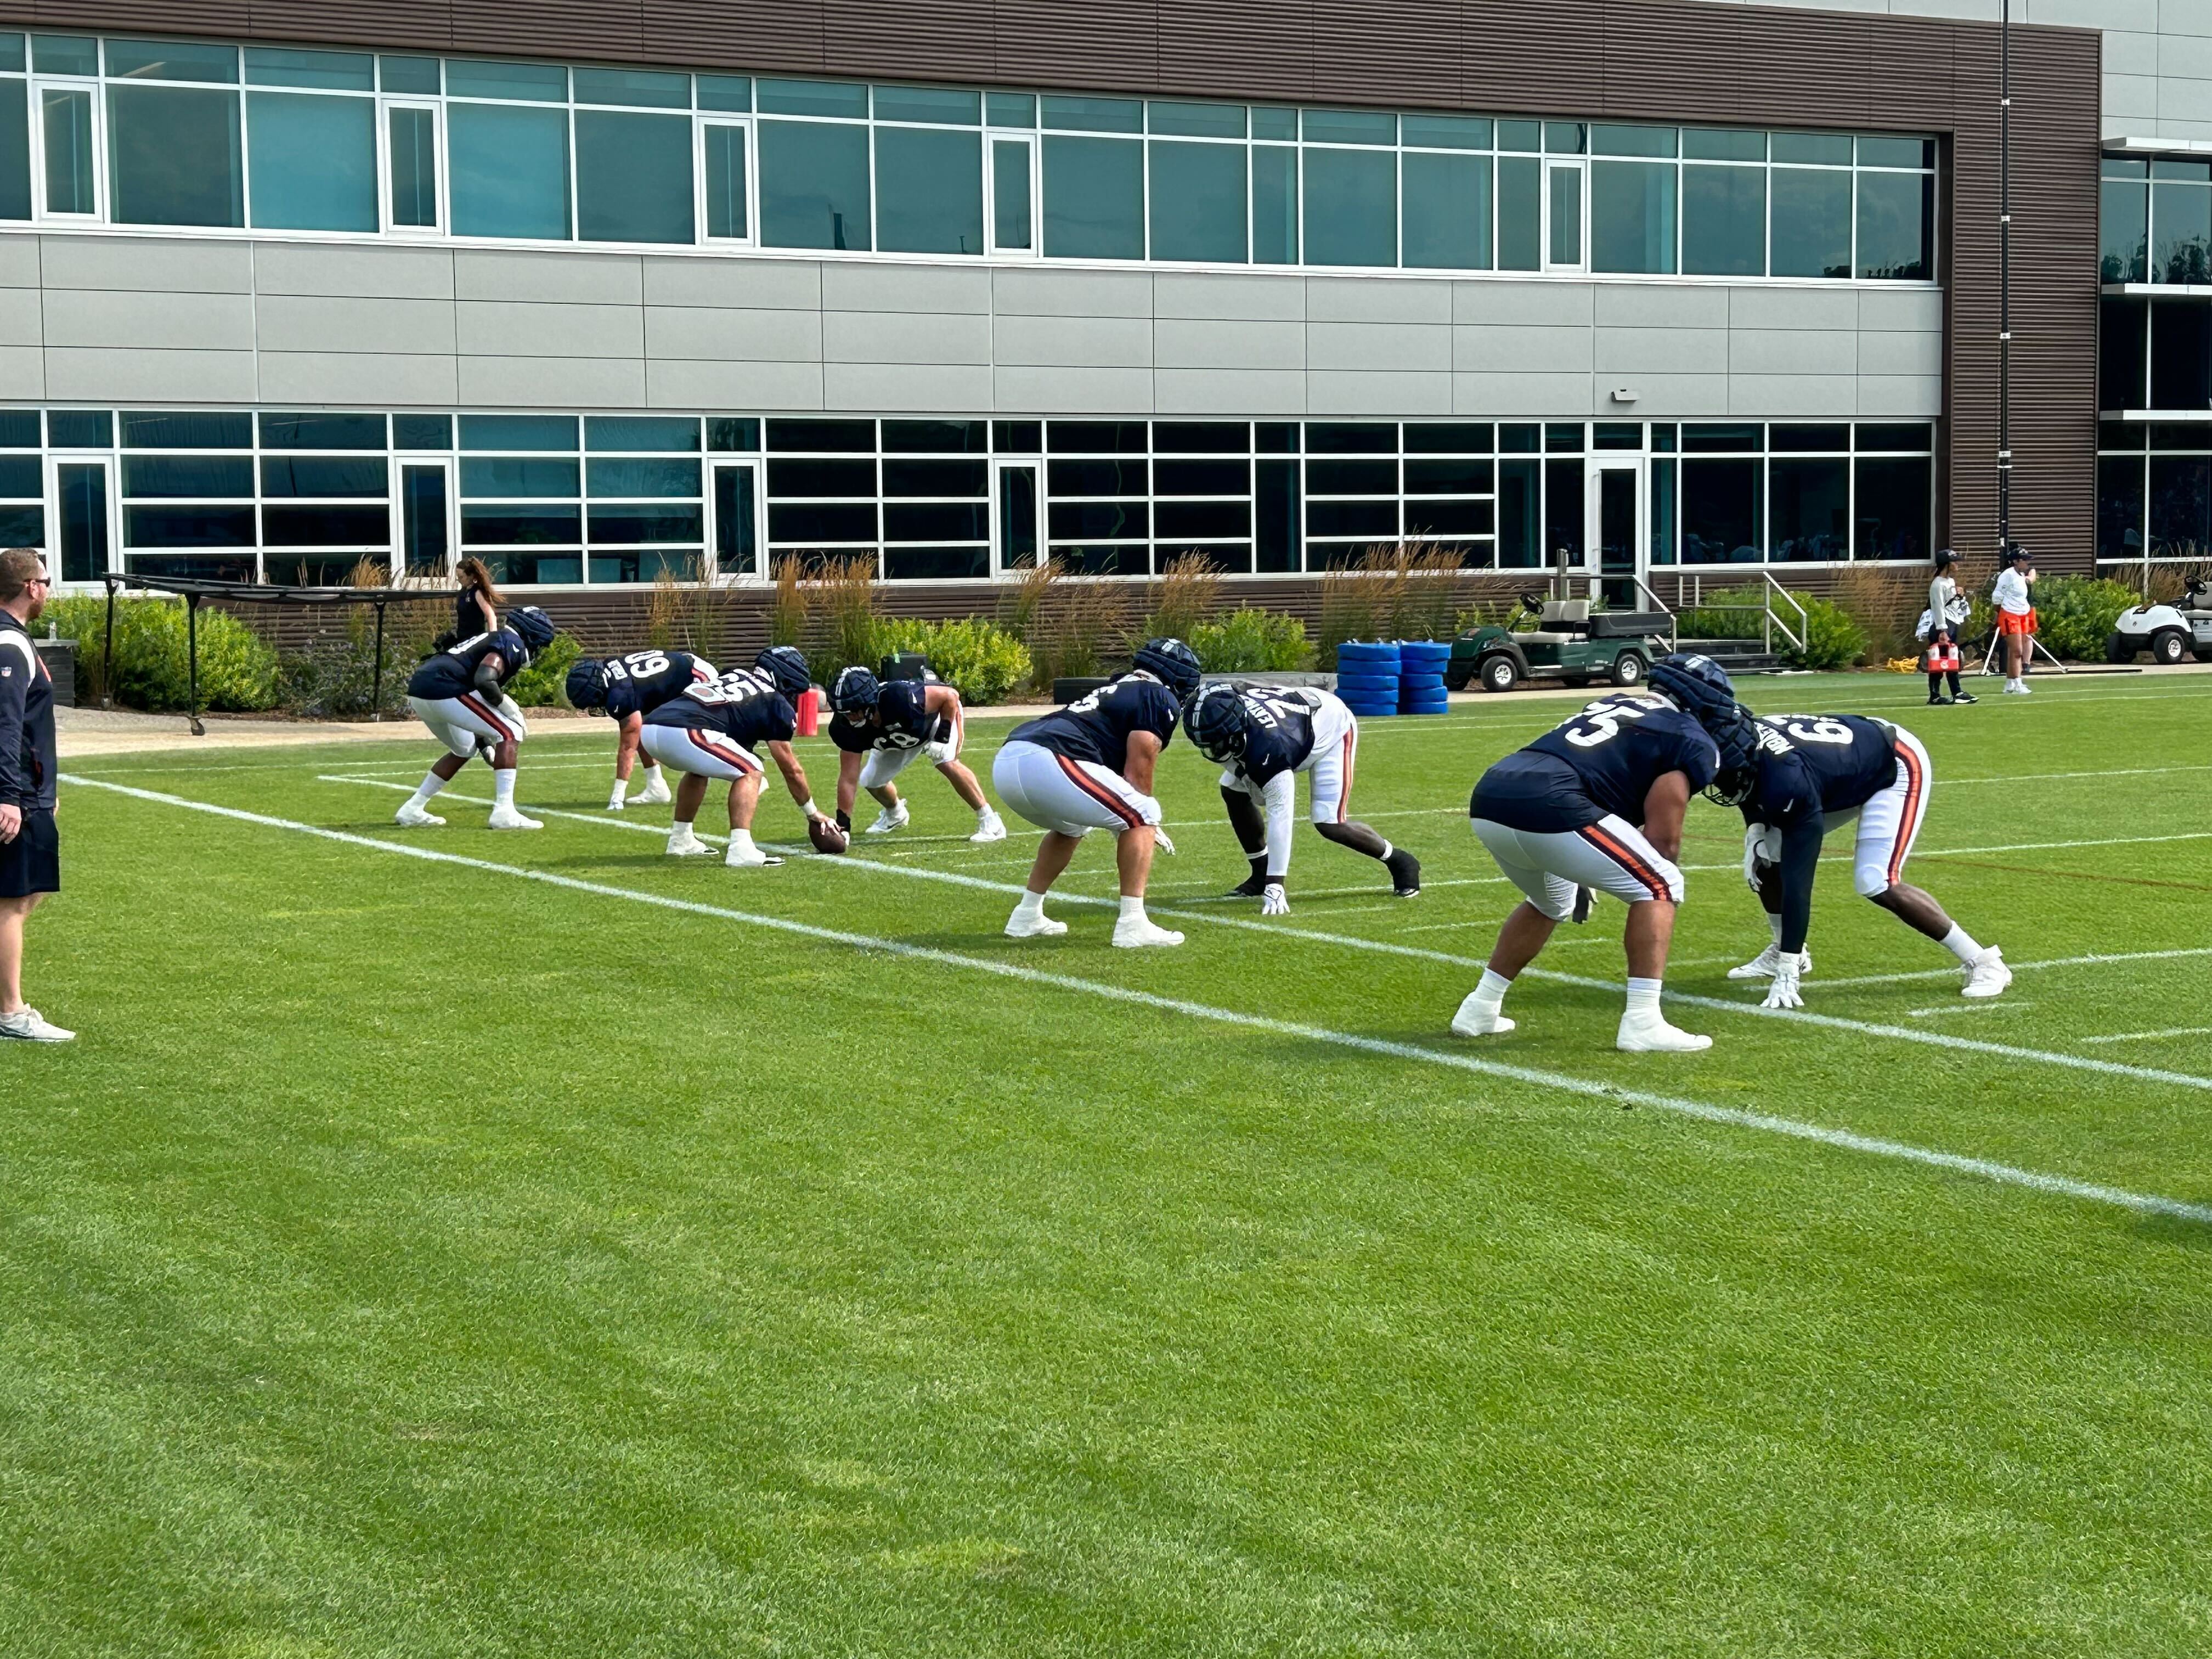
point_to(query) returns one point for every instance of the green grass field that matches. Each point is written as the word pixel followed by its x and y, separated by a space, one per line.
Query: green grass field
pixel 549 1249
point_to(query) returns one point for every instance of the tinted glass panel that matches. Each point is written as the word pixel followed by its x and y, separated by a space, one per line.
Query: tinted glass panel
pixel 731 92
pixel 805 478
pixel 816 524
pixel 1067 477
pixel 332 71
pixel 647 523
pixel 323 475
pixel 314 162
pixel 642 477
pixel 1018 437
pixel 724 152
pixel 1198 193
pixel 1916 436
pixel 931 191
pixel 509 171
pixel 65 123
pixel 904 477
pixel 1895 509
pixel 1807 440
pixel 173 156
pixel 25 526
pixel 1811 509
pixel 632 178
pixel 1444 131
pixel 1095 114
pixel 936 437
pixel 555 432
pixel 2124 232
pixel 1360 439
pixel 80 428
pixel 520 526
pixel 1520 213
pixel 1010 109
pixel 639 88
pixel 814 186
pixel 1812 222
pixel 814 98
pixel 19 478
pixel 1448 477
pixel 843 437
pixel 2180 508
pixel 1632 216
pixel 1094 198
pixel 1199 520
pixel 1207 438
pixel 1722 144
pixel 1826 148
pixel 1701 439
pixel 1351 206
pixel 188 527
pixel 2122 362
pixel 1448 518
pixel 1274 205
pixel 323 431
pixel 65 54
pixel 1896 225
pixel 735 533
pixel 414 75
pixel 1197 120
pixel 1096 437
pixel 1097 520
pixel 421 432
pixel 1011 223
pixel 1446 206
pixel 1723 222
pixel 2181 357
pixel 14 151
pixel 726 433
pixel 938 106
pixel 489 476
pixel 1351 478
pixel 936 521
pixel 1453 439
pixel 536 82
pixel 1519 545
pixel 1201 477
pixel 1374 519
pixel 1720 512
pixel 2181 217
pixel 325 527
pixel 18 429
pixel 171 60
pixel 1349 126
pixel 186 429
pixel 1896 152
pixel 936 563
pixel 2120 506
pixel 414 141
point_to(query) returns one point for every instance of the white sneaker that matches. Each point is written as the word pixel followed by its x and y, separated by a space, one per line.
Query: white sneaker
pixel 1137 932
pixel 2016 689
pixel 505 817
pixel 688 847
pixel 411 817
pixel 29 1025
pixel 990 827
pixel 1650 1034
pixel 1473 1019
pixel 890 818
pixel 1988 976
pixel 1764 965
pixel 656 790
pixel 1039 926
pixel 749 858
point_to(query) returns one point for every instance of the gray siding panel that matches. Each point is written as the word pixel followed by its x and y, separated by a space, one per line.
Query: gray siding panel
pixel 22 372
pixel 577 331
pixel 576 278
pixel 373 378
pixel 900 336
pixel 1378 392
pixel 132 374
pixel 735 337
pixel 397 273
pixel 742 285
pixel 1229 391
pixel 553 382
pixel 676 384
pixel 1073 341
pixel 933 388
pixel 147 265
pixel 287 322
pixel 1180 343
pixel 184 321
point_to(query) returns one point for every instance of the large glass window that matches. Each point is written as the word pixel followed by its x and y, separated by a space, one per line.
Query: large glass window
pixel 2124 220
pixel 173 155
pixel 14 151
pixel 1447 209
pixel 1724 206
pixel 929 190
pixel 2122 328
pixel 633 176
pixel 1811 233
pixel 2180 354
pixel 1351 206
pixel 814 188
pixel 509 167
pixel 2181 221
pixel 1094 197
pixel 1896 225
pixel 1198 196
pixel 314 160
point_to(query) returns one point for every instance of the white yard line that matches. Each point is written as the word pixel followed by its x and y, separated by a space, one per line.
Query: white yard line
pixel 1964 1006
pixel 2092 959
pixel 2141 1203
pixel 2148 1036
pixel 1349 941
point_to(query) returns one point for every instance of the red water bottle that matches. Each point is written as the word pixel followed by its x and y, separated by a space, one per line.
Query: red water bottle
pixel 809 711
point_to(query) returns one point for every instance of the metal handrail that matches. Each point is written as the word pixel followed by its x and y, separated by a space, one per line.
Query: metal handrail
pixel 1773 622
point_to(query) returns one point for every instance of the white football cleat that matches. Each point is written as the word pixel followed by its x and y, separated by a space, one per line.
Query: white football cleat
pixel 1039 926
pixel 1650 1034
pixel 749 858
pixel 1473 1019
pixel 505 817
pixel 688 847
pixel 411 817
pixel 1988 976
pixel 656 790
pixel 29 1025
pixel 890 818
pixel 988 827
pixel 2017 688
pixel 1762 965
pixel 1137 932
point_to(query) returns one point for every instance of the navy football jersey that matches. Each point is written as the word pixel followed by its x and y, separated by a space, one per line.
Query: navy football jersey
pixel 744 705
pixel 453 673
pixel 1821 764
pixel 1281 738
pixel 902 707
pixel 1097 727
pixel 641 682
pixel 1601 764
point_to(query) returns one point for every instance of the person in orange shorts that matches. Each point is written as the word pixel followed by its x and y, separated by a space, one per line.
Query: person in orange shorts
pixel 2015 616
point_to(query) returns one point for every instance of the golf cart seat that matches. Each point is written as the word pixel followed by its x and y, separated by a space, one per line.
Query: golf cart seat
pixel 1558 622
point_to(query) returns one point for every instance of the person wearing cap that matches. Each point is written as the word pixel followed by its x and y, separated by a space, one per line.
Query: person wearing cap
pixel 1946 611
pixel 2015 616
pixel 30 851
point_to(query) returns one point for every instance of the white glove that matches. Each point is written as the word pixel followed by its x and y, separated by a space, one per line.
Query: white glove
pixel 939 753
pixel 1755 861
pixel 1781 989
pixel 1160 840
pixel 1274 901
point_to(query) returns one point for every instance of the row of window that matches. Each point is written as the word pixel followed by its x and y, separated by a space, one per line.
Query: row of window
pixel 2154 353
pixel 182 133
pixel 2154 490
pixel 2155 220
pixel 567 499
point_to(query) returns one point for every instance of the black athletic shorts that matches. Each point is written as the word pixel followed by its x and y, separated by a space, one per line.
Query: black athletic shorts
pixel 32 863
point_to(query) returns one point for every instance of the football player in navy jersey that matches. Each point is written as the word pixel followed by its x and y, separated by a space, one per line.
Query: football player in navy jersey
pixel 1090 767
pixel 461 695
pixel 627 689
pixel 1263 737
pixel 1809 774
pixel 1595 805
pixel 710 729
pixel 878 728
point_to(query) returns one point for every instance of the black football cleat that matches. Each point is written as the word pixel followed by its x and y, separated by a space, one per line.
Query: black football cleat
pixel 1966 696
pixel 1253 886
pixel 1405 873
pixel 1583 899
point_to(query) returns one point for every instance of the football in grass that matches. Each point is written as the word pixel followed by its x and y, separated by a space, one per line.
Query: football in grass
pixel 826 835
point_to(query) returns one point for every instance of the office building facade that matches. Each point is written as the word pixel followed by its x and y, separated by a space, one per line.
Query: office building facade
pixel 1638 286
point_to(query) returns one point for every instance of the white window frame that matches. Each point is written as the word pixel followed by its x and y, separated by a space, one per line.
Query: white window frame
pixel 993 137
pixel 50 478
pixel 1598 463
pixel 443 229
pixel 41 212
pixel 700 121
pixel 401 460
pixel 1580 165
pixel 757 462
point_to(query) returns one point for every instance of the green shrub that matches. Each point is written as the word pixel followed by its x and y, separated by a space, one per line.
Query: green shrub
pixel 1251 641
pixel 239 672
pixel 1833 639
pixel 539 686
pixel 1708 621
pixel 2075 613
pixel 977 658
pixel 334 677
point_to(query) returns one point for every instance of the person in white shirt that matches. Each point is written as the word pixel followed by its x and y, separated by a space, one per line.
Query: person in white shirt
pixel 2015 616
pixel 1946 611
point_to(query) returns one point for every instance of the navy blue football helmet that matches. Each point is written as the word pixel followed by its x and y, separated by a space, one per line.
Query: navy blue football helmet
pixel 1219 723
pixel 533 626
pixel 1701 688
pixel 588 685
pixel 853 693
pixel 1172 663
pixel 785 665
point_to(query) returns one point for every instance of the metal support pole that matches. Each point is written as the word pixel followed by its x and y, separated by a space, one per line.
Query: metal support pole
pixel 376 690
pixel 2004 282
pixel 108 660
pixel 192 662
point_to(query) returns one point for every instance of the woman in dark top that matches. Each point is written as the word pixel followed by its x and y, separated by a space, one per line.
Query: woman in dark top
pixel 476 611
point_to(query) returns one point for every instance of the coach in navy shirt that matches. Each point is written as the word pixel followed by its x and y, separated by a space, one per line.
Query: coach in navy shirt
pixel 30 853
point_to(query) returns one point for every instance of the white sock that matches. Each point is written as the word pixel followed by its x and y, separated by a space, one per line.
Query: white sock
pixel 1774 923
pixel 1961 945
pixel 741 840
pixel 652 773
pixel 502 788
pixel 680 830
pixel 431 784
pixel 1031 906
pixel 1384 855
pixel 1132 909
pixel 1643 997
pixel 1491 992
pixel 984 814
pixel 621 792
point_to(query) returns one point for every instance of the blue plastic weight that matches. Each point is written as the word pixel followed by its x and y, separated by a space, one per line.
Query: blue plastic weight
pixel 1381 653
pixel 1366 685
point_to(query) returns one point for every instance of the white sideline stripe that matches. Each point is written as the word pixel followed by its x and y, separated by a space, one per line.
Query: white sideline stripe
pixel 1900 1033
pixel 2094 959
pixel 1964 1006
pixel 1845 1140
pixel 2145 1036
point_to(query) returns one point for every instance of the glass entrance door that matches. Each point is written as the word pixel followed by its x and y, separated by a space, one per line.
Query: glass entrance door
pixel 1616 519
pixel 1014 511
pixel 425 531
pixel 81 519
